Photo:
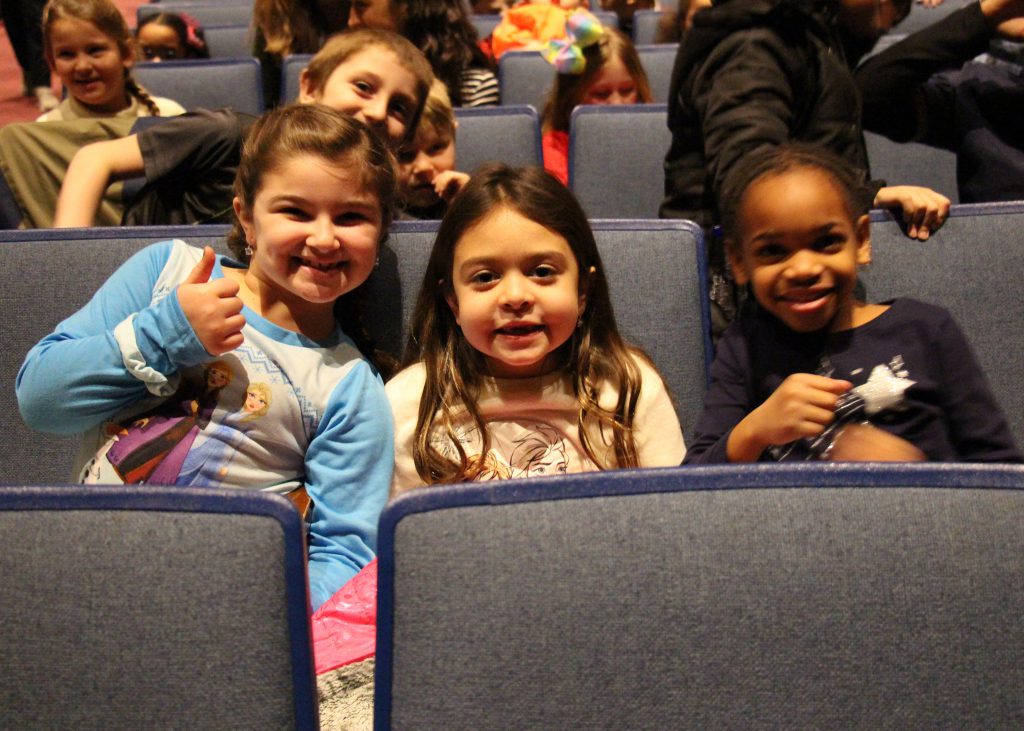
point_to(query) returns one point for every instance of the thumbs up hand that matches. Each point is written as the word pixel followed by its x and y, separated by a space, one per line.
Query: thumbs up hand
pixel 214 309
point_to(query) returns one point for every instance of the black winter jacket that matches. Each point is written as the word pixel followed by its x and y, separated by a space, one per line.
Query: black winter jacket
pixel 752 73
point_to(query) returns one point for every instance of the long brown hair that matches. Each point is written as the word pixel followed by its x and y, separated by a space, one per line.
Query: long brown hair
pixel 443 30
pixel 108 19
pixel 283 134
pixel 287 26
pixel 569 89
pixel 595 356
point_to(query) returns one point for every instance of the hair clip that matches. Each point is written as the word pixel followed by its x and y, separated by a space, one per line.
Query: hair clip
pixel 582 29
pixel 191 36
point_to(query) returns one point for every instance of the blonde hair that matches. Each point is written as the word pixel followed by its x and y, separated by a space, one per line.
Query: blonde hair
pixel 569 89
pixel 263 390
pixel 108 19
pixel 438 111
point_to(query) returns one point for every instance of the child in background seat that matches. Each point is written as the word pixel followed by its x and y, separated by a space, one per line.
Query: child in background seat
pixel 809 360
pixel 517 367
pixel 189 162
pixel 607 71
pixel 427 178
pixel 171 37
pixel 89 47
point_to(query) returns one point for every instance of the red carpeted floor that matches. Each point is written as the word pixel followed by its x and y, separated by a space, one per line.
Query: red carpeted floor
pixel 14 107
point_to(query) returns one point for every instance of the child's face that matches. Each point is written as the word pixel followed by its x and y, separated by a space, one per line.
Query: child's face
pixel 373 87
pixel 800 249
pixel 377 14
pixel 516 293
pixel 160 43
pixel 314 229
pixel 432 153
pixel 611 85
pixel 90 64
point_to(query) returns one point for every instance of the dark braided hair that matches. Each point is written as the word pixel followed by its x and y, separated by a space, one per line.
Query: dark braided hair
pixel 767 161
pixel 443 31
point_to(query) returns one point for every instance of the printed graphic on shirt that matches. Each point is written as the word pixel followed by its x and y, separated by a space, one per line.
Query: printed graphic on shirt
pixel 519 448
pixel 194 436
pixel 884 391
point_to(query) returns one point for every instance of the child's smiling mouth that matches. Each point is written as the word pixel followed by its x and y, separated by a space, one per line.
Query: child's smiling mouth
pixel 325 266
pixel 519 330
pixel 803 300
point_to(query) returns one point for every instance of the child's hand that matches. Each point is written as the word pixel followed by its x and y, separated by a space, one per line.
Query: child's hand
pixel 213 308
pixel 1006 17
pixel 449 183
pixel 801 407
pixel 924 210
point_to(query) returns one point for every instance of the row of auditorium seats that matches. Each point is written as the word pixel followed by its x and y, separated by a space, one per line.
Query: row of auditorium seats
pixel 524 76
pixel 603 150
pixel 810 596
pixel 239 12
pixel 960 267
pixel 603 138
pixel 663 256
pixel 646 23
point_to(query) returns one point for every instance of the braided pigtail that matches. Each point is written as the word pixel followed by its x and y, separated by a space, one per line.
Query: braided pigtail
pixel 137 90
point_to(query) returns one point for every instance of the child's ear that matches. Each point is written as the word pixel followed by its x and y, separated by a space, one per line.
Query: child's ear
pixel 863 230
pixel 244 219
pixel 128 58
pixel 739 271
pixel 453 303
pixel 584 290
pixel 307 93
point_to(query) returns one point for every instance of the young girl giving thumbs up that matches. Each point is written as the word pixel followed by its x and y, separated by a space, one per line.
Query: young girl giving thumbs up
pixel 194 369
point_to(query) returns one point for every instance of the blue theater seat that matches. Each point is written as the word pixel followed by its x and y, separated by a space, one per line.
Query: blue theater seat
pixel 524 78
pixel 657 60
pixel 645 25
pixel 912 163
pixel 135 607
pixel 969 267
pixel 505 134
pixel 206 84
pixel 291 68
pixel 229 41
pixel 821 596
pixel 616 159
pixel 225 12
